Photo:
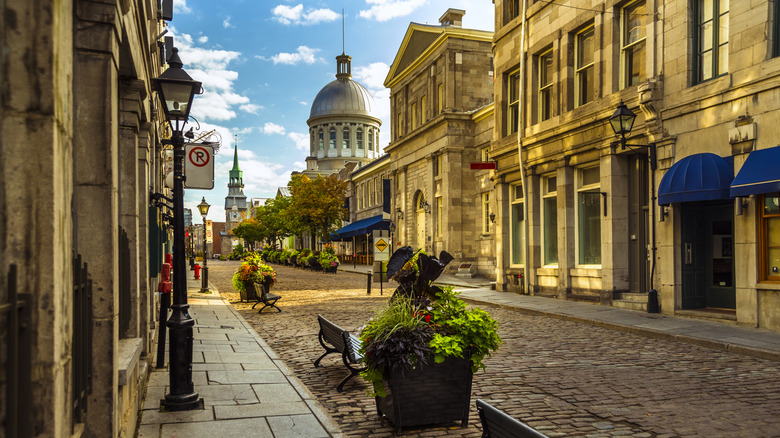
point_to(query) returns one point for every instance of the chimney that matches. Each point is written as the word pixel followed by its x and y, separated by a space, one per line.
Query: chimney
pixel 452 18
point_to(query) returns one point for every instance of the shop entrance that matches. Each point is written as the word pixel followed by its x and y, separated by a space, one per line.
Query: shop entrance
pixel 707 256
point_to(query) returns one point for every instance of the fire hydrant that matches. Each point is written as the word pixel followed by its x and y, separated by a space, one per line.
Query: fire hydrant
pixel 197 271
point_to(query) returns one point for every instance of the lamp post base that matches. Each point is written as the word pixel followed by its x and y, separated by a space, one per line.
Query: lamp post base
pixel 204 287
pixel 652 301
pixel 167 405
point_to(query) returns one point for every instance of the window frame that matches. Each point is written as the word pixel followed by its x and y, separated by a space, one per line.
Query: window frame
pixel 628 49
pixel 584 72
pixel 698 24
pixel 332 138
pixel 345 134
pixel 371 140
pixel 423 109
pixel 485 212
pixel 322 139
pixel 547 194
pixel 440 103
pixel 414 115
pixel 359 138
pixel 516 201
pixel 581 187
pixel 512 102
pixel 544 106
pixel 439 213
pixel 763 238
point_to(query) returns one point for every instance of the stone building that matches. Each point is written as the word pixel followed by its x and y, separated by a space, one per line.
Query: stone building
pixel 343 126
pixel 81 242
pixel 702 79
pixel 441 84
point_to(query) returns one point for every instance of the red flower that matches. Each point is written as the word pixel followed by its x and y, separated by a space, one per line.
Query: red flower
pixel 428 318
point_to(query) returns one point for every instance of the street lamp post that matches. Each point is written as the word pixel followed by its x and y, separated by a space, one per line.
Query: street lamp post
pixel 203 207
pixel 176 90
pixel 622 121
pixel 391 228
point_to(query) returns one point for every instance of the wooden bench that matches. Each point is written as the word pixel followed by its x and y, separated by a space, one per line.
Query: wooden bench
pixel 497 424
pixel 265 297
pixel 335 339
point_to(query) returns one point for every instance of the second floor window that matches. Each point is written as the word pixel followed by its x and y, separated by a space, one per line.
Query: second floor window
pixel 632 44
pixel 423 109
pixel 332 140
pixel 370 139
pixel 440 103
pixel 345 138
pixel 513 102
pixel 584 69
pixel 545 85
pixel 486 212
pixel 712 34
pixel 359 138
pixel 414 116
pixel 321 140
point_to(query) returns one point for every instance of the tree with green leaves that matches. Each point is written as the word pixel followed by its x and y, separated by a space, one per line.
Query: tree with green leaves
pixel 249 230
pixel 318 205
pixel 276 221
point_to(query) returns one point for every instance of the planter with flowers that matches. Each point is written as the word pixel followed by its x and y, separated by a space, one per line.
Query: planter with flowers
pixel 421 351
pixel 251 271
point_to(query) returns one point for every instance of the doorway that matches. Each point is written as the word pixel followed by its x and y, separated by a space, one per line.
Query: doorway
pixel 638 259
pixel 707 256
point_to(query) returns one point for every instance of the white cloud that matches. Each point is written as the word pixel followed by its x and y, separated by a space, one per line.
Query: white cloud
pixel 211 67
pixel 304 103
pixel 247 130
pixel 288 15
pixel 273 128
pixel 301 143
pixel 251 108
pixel 180 6
pixel 303 54
pixel 372 76
pixel 384 10
pixel 203 40
pixel 226 24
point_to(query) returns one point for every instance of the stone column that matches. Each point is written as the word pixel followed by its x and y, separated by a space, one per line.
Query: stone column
pixel 96 186
pixel 567 254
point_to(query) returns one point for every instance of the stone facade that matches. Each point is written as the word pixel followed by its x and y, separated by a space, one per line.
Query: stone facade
pixel 581 60
pixel 81 151
pixel 441 108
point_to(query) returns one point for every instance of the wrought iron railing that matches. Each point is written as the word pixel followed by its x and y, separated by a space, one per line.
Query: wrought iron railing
pixel 15 344
pixel 82 338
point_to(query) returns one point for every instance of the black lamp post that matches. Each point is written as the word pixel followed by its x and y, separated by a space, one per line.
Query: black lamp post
pixel 622 121
pixel 203 207
pixel 176 90
pixel 391 228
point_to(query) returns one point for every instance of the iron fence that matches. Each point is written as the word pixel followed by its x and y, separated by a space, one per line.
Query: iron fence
pixel 82 338
pixel 15 343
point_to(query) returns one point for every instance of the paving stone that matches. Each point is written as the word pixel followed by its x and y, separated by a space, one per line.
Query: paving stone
pixel 240 428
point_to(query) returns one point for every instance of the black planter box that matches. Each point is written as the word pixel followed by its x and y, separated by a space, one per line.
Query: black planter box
pixel 426 395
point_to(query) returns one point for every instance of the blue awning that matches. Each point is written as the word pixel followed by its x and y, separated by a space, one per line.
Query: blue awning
pixel 699 177
pixel 363 226
pixel 759 174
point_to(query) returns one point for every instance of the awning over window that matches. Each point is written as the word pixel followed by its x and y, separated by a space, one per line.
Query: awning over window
pixel 363 226
pixel 759 174
pixel 699 177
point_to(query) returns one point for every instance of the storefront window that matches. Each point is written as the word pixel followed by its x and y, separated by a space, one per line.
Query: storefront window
pixel 770 241
pixel 589 217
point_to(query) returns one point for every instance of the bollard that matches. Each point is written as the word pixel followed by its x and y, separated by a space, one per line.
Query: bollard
pixel 370 273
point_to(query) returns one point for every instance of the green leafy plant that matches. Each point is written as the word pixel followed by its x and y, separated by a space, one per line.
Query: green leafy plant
pixel 423 323
pixel 253 270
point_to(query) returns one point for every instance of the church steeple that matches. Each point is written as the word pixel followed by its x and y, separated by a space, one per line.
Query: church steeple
pixel 236 175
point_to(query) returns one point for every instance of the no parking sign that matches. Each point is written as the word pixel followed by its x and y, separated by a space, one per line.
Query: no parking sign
pixel 199 166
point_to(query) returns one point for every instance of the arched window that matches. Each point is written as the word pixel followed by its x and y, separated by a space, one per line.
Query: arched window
pixel 322 141
pixel 359 138
pixel 332 140
pixel 345 138
pixel 370 139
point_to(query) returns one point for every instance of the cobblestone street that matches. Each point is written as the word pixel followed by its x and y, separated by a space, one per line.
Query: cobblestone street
pixel 560 377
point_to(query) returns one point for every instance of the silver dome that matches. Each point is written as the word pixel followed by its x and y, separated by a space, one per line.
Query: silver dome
pixel 343 97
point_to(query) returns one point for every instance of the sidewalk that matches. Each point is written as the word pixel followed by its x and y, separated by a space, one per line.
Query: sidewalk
pixel 247 390
pixel 754 342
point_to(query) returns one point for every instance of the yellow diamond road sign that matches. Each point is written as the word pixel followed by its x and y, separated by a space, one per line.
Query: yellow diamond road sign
pixel 381 244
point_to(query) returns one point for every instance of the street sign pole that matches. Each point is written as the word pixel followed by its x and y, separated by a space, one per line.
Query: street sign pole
pixel 381 253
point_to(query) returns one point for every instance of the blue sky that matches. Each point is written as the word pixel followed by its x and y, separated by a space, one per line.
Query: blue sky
pixel 262 63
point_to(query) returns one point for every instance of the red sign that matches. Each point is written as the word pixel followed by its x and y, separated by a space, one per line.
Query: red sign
pixel 199 156
pixel 483 165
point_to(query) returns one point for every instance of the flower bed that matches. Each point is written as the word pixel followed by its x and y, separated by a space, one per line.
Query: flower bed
pixel 252 270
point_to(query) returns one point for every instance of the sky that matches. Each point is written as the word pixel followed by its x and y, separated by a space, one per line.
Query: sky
pixel 262 63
